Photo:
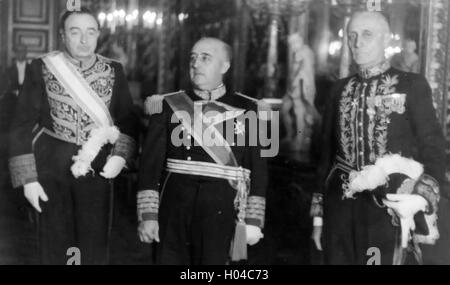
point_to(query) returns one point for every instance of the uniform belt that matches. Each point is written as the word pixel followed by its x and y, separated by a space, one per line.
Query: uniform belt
pixel 208 169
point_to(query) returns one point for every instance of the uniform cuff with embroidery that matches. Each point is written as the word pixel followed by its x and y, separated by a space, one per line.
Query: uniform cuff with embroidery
pixel 317 205
pixel 255 211
pixel 147 205
pixel 428 188
pixel 125 147
pixel 23 170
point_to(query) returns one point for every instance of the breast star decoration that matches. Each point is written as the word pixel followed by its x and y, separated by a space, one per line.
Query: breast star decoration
pixel 239 128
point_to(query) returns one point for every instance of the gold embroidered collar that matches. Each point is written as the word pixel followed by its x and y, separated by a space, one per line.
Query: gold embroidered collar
pixel 378 69
pixel 213 94
pixel 80 64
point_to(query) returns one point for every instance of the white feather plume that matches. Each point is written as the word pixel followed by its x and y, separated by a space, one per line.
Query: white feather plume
pixel 373 176
pixel 97 139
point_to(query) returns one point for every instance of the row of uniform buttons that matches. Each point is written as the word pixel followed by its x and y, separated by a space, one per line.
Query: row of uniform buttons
pixel 360 124
pixel 189 137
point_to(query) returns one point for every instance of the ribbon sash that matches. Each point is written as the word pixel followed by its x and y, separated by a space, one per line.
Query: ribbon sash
pixel 77 87
pixel 183 107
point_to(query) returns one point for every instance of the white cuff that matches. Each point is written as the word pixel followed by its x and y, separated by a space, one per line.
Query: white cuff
pixel 423 204
pixel 317 222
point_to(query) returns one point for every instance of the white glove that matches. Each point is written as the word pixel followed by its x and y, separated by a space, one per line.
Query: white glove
pixel 254 234
pixel 316 237
pixel 33 192
pixel 113 167
pixel 406 206
pixel 317 232
pixel 148 231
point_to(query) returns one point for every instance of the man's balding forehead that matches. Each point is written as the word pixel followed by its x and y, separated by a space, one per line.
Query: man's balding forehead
pixel 220 44
pixel 372 15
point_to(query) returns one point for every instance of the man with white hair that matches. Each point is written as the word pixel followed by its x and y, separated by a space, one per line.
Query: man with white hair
pixel 383 157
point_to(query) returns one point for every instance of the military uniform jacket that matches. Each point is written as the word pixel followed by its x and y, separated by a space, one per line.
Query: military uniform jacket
pixel 45 107
pixel 158 148
pixel 377 112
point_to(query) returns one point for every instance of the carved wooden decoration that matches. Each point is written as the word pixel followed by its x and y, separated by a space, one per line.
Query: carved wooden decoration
pixel 437 31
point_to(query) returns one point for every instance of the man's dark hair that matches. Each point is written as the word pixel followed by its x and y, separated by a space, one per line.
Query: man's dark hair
pixel 82 11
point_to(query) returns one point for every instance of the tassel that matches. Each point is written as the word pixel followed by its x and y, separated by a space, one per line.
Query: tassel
pixel 239 243
pixel 238 249
pixel 154 104
pixel 399 252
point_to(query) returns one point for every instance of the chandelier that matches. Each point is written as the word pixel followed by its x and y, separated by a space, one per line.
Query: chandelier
pixel 346 6
pixel 118 18
pixel 279 6
pixel 151 18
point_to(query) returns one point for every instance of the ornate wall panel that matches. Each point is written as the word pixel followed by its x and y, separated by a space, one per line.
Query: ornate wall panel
pixel 436 65
pixel 36 40
pixel 31 11
pixel 33 23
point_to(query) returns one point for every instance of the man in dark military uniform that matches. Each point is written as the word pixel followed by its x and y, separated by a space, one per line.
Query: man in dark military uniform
pixel 383 157
pixel 196 195
pixel 73 131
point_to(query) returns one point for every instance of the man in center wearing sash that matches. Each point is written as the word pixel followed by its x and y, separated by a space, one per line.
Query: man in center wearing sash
pixel 73 131
pixel 196 198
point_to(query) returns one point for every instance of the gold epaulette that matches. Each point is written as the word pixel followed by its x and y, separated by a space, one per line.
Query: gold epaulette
pixel 262 105
pixel 154 104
